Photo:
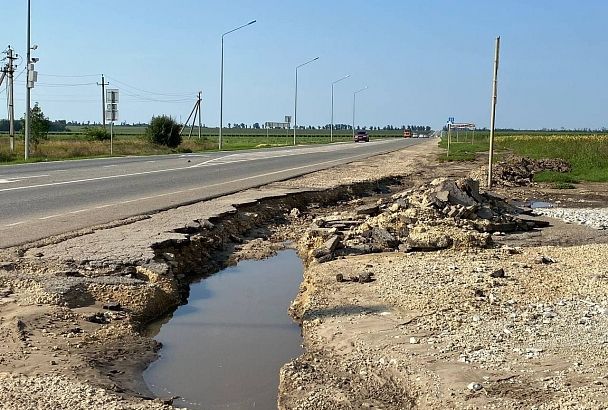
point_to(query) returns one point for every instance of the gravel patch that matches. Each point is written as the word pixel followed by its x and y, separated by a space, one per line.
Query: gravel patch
pixel 596 218
pixel 57 392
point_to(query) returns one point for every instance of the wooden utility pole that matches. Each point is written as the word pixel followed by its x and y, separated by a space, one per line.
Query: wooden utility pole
pixel 196 110
pixel 103 100
pixel 493 114
pixel 10 70
pixel 198 102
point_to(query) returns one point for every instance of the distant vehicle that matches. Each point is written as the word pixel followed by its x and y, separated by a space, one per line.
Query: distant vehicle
pixel 407 134
pixel 361 136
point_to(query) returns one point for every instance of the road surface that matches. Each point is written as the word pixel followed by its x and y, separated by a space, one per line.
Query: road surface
pixel 44 199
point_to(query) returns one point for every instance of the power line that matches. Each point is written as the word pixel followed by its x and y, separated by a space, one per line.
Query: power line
pixel 65 84
pixel 69 76
pixel 150 92
pixel 144 98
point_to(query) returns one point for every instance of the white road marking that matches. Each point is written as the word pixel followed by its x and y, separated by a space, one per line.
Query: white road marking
pixel 193 189
pixel 109 166
pixel 42 218
pixel 263 156
pixel 15 224
pixel 17 179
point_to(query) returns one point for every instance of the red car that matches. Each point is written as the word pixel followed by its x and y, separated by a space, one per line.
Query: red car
pixel 361 136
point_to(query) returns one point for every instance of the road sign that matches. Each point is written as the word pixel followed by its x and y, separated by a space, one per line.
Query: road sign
pixel 271 124
pixel 112 104
pixel 112 115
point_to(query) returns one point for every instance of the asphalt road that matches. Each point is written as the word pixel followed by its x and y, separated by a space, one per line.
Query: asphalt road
pixel 44 199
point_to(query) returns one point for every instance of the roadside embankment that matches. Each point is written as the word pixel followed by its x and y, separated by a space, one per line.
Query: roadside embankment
pixel 75 306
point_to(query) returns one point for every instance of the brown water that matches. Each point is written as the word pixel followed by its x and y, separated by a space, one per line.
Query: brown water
pixel 224 349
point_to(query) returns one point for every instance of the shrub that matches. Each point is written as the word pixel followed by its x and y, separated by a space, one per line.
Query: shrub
pixel 164 130
pixel 39 126
pixel 96 133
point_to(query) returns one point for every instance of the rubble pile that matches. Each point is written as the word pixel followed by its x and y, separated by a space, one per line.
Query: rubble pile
pixel 520 171
pixel 443 214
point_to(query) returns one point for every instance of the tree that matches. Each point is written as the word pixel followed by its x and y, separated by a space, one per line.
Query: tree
pixel 39 126
pixel 164 130
pixel 256 125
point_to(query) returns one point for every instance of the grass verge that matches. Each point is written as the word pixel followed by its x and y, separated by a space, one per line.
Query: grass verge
pixel 586 153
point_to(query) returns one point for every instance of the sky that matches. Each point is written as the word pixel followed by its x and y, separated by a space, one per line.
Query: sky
pixel 422 61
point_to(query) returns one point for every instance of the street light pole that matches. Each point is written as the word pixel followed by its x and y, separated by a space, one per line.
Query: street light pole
pixel 222 82
pixel 354 102
pixel 295 103
pixel 27 88
pixel 331 132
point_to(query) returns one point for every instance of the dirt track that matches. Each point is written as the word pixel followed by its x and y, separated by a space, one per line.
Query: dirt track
pixel 358 336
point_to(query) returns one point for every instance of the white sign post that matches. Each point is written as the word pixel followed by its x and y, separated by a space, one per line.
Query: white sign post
pixel 112 113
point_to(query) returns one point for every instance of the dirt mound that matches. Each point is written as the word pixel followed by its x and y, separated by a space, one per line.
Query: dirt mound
pixel 520 171
pixel 443 214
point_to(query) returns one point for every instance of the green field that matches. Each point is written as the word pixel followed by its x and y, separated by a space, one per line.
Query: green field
pixel 586 152
pixel 129 140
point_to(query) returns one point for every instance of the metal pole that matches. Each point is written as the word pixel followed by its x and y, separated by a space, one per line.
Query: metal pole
pixel 221 97
pixel 222 82
pixel 331 129
pixel 27 88
pixel 493 114
pixel 295 104
pixel 331 132
pixel 295 110
pixel 112 138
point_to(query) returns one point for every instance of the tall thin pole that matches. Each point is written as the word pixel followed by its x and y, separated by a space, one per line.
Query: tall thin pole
pixel 222 82
pixel 103 100
pixel 295 110
pixel 199 114
pixel 331 132
pixel 493 114
pixel 10 96
pixel 354 103
pixel 449 138
pixel 331 129
pixel 295 104
pixel 27 87
pixel 221 97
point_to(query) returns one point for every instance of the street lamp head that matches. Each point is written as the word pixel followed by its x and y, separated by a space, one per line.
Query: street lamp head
pixel 34 47
pixel 251 22
pixel 343 78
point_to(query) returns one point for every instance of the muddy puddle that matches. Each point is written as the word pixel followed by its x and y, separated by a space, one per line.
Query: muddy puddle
pixel 225 347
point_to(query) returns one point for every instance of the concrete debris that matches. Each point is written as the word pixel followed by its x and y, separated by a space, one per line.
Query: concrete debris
pixel 372 210
pixel 544 260
pixel 332 243
pixel 520 171
pixel 112 306
pixel 443 214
